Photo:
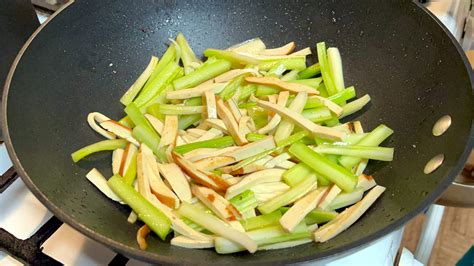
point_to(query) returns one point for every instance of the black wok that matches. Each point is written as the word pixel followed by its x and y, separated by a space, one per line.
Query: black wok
pixel 85 58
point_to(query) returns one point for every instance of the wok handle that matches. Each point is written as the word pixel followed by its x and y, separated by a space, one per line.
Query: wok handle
pixel 19 21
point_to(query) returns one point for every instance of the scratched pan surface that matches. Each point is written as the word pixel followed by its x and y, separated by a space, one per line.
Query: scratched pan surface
pixel 86 57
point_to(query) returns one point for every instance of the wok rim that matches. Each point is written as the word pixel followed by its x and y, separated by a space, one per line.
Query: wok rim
pixel 156 257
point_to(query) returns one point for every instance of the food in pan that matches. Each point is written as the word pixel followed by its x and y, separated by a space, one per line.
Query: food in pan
pixel 242 151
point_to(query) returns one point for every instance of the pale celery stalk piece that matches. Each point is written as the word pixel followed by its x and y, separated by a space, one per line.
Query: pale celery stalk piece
pixel 373 153
pixel 133 91
pixel 355 106
pixel 190 61
pixel 346 199
pixel 335 68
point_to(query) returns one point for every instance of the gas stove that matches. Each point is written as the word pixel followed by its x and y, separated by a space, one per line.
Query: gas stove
pixel 30 234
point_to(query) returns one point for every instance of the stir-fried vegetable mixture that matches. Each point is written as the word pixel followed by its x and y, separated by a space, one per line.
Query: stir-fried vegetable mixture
pixel 242 151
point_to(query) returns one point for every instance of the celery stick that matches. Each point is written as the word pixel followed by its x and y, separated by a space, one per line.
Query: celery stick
pixel 310 71
pixel 324 167
pixel 317 115
pixel 374 153
pixel 154 110
pixel 186 121
pixel 323 92
pixel 146 212
pixel 221 142
pixel 246 91
pixel 325 70
pixel 192 224
pixel 131 173
pixel 344 95
pixel 291 139
pixel 144 135
pixel 355 105
pixel 291 76
pixel 298 63
pixel 160 98
pixel 346 199
pixel 374 138
pixel 352 139
pixel 190 61
pixel 158 84
pixel 217 226
pixel 105 145
pixel 289 196
pixel 263 90
pixel 335 68
pixel 168 56
pixel 237 60
pixel 296 174
pixel 263 236
pixel 201 74
pixel 286 126
pixel 261 221
pixel 276 71
pixel 171 109
pixel 247 105
pixel 136 116
pixel 244 201
pixel 255 137
pixel 231 88
pixel 131 93
pixel 314 82
pixel 332 122
pixel 316 216
pixel 126 121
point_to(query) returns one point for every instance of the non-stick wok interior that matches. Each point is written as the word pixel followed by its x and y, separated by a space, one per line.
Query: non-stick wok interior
pixel 89 55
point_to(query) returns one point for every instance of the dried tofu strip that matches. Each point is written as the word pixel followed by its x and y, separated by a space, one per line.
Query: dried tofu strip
pixel 199 176
pixel 96 117
pixel 170 131
pixel 117 156
pixel 303 206
pixel 195 92
pixel 155 123
pixel 329 196
pixel 213 123
pixel 300 120
pixel 214 162
pixel 196 132
pixel 234 109
pixel 285 164
pixel 188 138
pixel 276 119
pixel 100 182
pixel 266 191
pixel 252 149
pixel 120 130
pixel 176 179
pixel 203 153
pixel 348 216
pixel 142 233
pixel 128 156
pixel 278 159
pixel 244 128
pixel 186 242
pixel 333 107
pixel 211 134
pixel 220 206
pixel 366 182
pixel 283 50
pixel 304 52
pixel 250 168
pixel 209 99
pixel 288 86
pixel 231 74
pixel 346 127
pixel 232 127
pixel 180 141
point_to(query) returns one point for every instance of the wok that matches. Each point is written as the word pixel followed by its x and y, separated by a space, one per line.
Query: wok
pixel 85 58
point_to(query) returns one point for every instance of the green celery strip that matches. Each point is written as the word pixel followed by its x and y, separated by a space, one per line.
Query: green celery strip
pixel 158 84
pixel 171 109
pixel 276 71
pixel 296 174
pixel 168 56
pixel 325 71
pixel 289 196
pixel 144 135
pixel 344 95
pixel 332 122
pixel 324 167
pixel 231 88
pixel 298 63
pixel 221 142
pixel 131 173
pixel 187 55
pixel 346 199
pixel 261 221
pixel 291 76
pixel 247 105
pixel 201 74
pixel 316 216
pixel 158 99
pixel 136 116
pixel 263 90
pixel 280 145
pixel 245 201
pixel 310 71
pixel 126 121
pixel 186 121
pixel 314 82
pixel 317 115
pixel 237 60
pixel 255 137
pixel 246 91
pixel 263 236
pixel 335 68
pixel 355 106
pixel 146 212
pixel 374 138
pixel 105 145
pixel 193 101
pixel 131 93
pixel 373 153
